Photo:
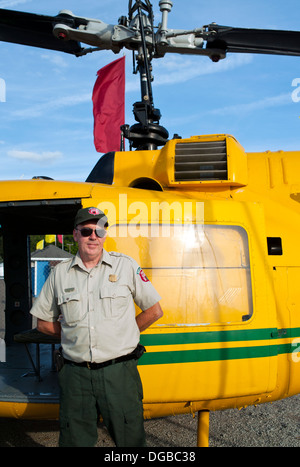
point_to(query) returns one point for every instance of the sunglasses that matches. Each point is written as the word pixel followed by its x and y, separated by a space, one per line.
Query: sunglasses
pixel 87 232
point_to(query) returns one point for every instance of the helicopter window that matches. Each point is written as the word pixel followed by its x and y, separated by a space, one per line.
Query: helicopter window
pixel 103 172
pixel 201 272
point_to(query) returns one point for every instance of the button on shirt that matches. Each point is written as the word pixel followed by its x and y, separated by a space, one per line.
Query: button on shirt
pixel 96 307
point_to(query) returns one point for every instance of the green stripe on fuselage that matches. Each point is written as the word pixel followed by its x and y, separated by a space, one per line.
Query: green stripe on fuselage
pixel 208 355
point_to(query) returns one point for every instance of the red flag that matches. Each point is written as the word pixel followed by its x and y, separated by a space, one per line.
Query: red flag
pixel 60 238
pixel 109 106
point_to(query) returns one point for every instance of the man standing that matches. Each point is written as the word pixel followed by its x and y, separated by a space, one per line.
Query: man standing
pixel 89 302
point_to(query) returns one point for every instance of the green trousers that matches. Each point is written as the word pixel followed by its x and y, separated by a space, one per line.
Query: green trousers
pixel 114 391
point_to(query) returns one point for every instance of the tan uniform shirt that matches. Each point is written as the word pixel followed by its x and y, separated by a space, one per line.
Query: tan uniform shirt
pixel 96 307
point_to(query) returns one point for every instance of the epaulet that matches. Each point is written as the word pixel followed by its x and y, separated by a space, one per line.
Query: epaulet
pixel 66 260
pixel 63 263
pixel 117 254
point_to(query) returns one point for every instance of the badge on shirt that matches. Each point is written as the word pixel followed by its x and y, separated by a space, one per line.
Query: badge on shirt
pixel 112 278
pixel 142 275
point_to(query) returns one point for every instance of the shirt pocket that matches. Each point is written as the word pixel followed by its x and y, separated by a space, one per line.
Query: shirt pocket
pixel 71 308
pixel 115 300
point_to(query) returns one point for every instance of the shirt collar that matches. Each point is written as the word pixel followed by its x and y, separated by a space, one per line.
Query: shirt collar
pixel 77 261
pixel 106 258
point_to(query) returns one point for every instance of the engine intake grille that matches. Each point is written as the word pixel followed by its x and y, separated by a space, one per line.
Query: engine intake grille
pixel 201 161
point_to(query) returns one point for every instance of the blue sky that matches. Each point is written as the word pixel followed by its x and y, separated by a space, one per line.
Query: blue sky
pixel 46 120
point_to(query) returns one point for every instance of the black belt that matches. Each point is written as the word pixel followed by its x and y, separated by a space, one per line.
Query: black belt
pixel 137 353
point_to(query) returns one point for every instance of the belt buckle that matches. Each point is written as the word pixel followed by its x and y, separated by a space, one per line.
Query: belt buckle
pixel 88 365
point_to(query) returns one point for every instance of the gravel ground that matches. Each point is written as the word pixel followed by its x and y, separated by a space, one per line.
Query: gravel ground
pixel 268 425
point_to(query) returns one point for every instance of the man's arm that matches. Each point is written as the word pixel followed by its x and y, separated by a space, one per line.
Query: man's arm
pixel 47 327
pixel 148 317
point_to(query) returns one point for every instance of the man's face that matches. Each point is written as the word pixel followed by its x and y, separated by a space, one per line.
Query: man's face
pixel 90 247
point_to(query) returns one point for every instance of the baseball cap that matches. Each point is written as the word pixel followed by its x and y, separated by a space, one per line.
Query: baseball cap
pixel 89 214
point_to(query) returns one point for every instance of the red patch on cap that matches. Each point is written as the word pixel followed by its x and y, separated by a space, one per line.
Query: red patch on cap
pixel 94 211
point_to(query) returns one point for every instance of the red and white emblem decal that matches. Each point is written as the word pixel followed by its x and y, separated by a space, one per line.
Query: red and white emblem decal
pixel 142 275
pixel 94 211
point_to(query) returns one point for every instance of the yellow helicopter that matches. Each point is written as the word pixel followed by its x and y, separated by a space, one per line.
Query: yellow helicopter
pixel 214 228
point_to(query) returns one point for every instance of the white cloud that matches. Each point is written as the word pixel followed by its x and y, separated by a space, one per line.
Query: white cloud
pixel 267 102
pixel 10 3
pixel 56 60
pixel 38 109
pixel 41 158
pixel 175 70
pixel 234 110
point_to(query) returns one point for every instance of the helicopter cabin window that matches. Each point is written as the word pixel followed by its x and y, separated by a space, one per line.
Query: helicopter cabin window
pixel 201 272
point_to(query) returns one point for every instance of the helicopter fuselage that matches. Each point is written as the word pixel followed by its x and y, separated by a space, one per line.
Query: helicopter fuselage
pixel 214 229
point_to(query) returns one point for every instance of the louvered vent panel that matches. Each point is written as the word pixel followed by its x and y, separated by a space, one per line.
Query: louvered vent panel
pixel 201 161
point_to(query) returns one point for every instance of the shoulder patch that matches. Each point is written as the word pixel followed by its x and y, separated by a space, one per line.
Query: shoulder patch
pixel 142 275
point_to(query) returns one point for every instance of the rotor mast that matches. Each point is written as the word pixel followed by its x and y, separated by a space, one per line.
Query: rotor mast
pixel 147 133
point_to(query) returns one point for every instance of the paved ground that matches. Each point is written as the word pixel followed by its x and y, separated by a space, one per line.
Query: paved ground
pixel 270 425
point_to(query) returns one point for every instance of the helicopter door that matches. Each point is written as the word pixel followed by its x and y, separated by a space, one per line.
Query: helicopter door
pixel 19 220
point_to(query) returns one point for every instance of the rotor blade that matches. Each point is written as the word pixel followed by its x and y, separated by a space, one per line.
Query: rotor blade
pixel 37 30
pixel 262 41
